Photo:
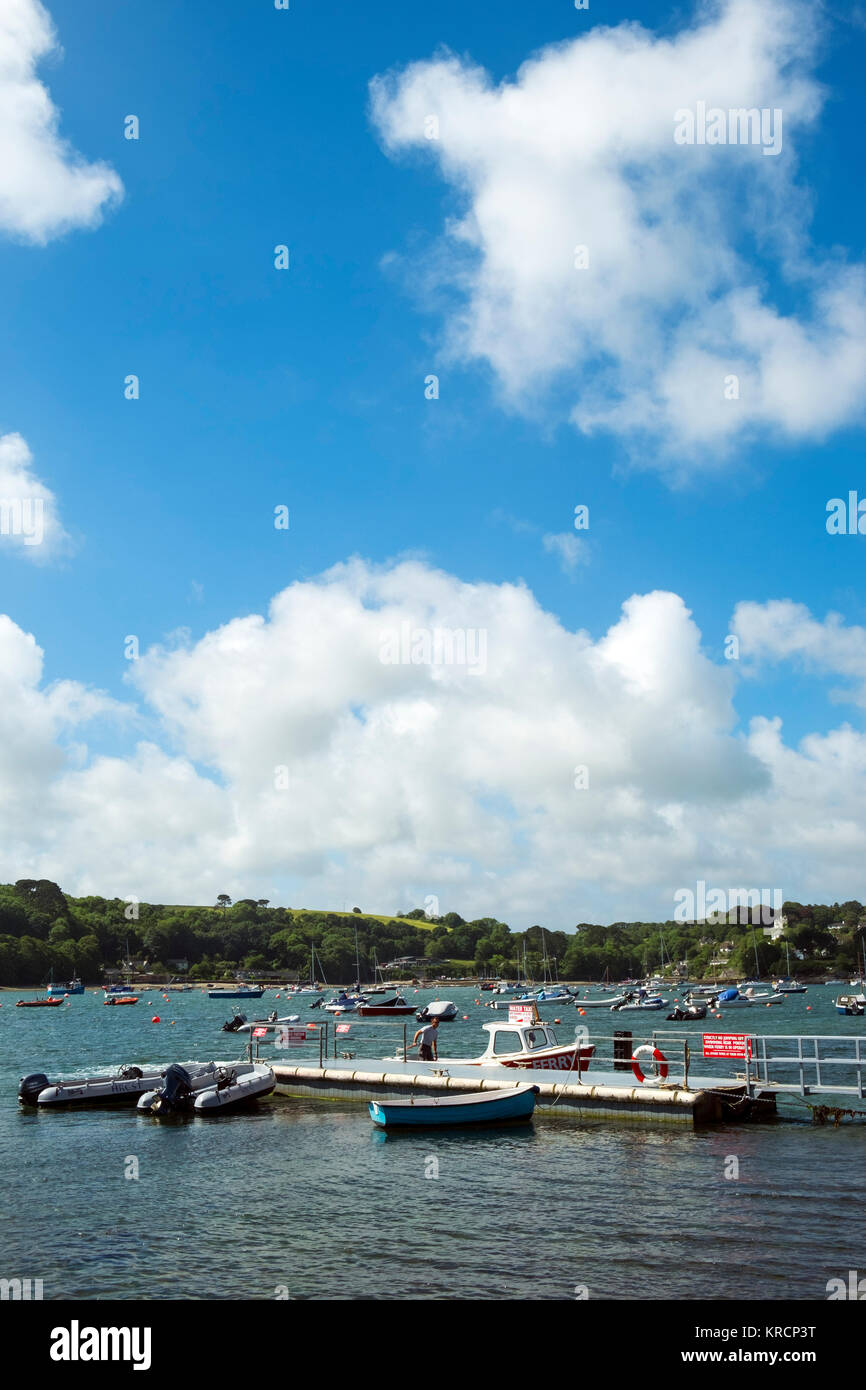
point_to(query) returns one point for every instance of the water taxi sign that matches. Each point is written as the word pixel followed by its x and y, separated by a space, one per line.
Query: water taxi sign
pixel 522 1013
pixel 737 1045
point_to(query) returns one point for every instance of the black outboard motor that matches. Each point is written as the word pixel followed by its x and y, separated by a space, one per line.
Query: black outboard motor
pixel 29 1087
pixel 235 1023
pixel 318 1003
pixel 177 1093
pixel 272 1018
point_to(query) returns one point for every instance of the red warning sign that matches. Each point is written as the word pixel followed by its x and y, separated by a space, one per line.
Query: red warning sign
pixel 727 1045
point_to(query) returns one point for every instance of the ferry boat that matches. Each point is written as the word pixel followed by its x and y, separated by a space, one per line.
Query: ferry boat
pixel 530 1045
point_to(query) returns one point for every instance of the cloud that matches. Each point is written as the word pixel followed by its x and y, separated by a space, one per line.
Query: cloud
pixel 569 549
pixel 29 518
pixel 285 757
pixel 782 630
pixel 46 187
pixel 668 335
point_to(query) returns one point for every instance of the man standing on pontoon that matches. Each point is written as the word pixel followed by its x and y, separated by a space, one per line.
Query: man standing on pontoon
pixel 428 1051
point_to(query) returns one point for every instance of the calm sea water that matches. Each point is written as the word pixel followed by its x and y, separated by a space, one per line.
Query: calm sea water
pixel 307 1198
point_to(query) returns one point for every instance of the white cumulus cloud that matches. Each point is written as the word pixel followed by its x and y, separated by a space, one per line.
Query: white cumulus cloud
pixel 598 262
pixel 285 758
pixel 46 187
pixel 782 630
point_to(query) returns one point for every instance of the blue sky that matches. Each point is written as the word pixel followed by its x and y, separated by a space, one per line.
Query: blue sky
pixel 306 387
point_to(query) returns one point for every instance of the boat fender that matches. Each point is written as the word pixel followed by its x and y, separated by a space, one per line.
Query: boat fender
pixel 657 1057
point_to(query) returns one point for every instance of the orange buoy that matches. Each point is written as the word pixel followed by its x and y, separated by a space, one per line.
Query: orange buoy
pixel 155 1018
pixel 465 1018
pixel 557 1020
pixel 582 1013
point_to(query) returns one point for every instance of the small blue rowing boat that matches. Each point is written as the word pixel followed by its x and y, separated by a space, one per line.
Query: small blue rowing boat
pixel 487 1107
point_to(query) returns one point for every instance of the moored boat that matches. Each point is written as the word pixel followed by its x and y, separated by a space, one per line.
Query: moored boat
pixel 385 1008
pixel 687 1012
pixel 853 1005
pixel 487 1107
pixel 231 1086
pixel 343 1003
pixel 124 1088
pixel 121 999
pixel 241 992
pixel 39 1003
pixel 556 994
pixel 532 1045
pixel 70 987
pixel 640 1000
pixel 443 1009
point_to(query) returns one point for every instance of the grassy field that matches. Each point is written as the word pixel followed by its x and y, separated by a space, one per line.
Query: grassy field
pixel 419 922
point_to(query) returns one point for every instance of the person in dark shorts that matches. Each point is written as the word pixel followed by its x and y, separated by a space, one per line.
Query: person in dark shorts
pixel 428 1051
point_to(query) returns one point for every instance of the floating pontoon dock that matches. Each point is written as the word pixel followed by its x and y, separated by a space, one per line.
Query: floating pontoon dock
pixel 597 1094
pixel 609 1088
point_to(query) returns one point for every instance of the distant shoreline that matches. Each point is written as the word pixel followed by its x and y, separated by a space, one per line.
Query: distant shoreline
pixel 395 985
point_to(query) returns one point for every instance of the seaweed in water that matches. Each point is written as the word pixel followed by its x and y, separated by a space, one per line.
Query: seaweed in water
pixel 822 1113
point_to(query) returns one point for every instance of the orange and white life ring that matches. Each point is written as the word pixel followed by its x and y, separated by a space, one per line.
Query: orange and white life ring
pixel 656 1056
